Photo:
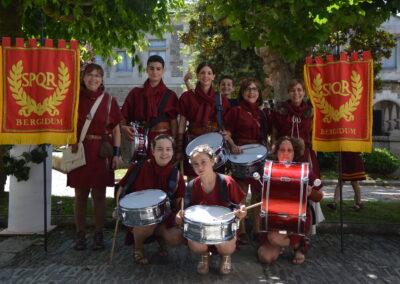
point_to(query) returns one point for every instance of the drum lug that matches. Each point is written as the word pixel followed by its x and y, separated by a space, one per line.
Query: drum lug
pixel 262 214
pixel 283 215
pixel 185 227
pixel 285 179
pixel 305 180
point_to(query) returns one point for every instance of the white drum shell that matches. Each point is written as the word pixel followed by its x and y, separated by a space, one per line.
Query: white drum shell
pixel 143 208
pixel 207 230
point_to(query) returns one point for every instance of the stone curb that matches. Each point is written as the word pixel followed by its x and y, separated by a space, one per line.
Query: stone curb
pixel 324 227
pixel 366 182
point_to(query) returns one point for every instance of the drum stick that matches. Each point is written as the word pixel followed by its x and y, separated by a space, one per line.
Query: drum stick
pixel 232 213
pixel 113 244
pixel 250 147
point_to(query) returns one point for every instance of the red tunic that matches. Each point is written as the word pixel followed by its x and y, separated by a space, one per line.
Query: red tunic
pixel 97 172
pixel 243 122
pixel 352 166
pixel 152 176
pixel 199 197
pixel 283 121
pixel 199 108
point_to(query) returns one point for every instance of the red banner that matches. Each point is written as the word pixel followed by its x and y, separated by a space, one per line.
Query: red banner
pixel 341 93
pixel 39 87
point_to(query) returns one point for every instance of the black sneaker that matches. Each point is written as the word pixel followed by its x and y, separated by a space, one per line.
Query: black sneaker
pixel 331 205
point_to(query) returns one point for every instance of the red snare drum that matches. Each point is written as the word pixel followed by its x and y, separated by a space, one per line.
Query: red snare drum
pixel 284 197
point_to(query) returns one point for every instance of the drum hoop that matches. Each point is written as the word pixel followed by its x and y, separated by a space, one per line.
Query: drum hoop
pixel 150 206
pixel 262 159
pixel 206 223
pixel 194 139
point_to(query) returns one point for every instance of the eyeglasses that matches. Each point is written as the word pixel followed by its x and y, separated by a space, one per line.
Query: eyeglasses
pixel 98 76
pixel 252 89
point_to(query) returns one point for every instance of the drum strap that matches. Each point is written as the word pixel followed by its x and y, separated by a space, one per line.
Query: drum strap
pixel 132 177
pixel 263 124
pixel 172 182
pixel 219 108
pixel 161 107
pixel 223 192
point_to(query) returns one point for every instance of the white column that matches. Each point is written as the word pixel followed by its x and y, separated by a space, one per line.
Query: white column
pixel 26 198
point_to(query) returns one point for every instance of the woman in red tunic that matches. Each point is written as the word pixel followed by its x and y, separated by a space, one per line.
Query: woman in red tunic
pixel 198 109
pixel 206 191
pixel 155 174
pixel 294 118
pixel 98 173
pixel 288 149
pixel 248 125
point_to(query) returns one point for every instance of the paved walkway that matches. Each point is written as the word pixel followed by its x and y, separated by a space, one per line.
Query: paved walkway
pixel 369 192
pixel 367 259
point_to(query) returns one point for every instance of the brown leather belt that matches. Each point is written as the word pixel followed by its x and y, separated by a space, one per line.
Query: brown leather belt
pixel 247 141
pixel 162 126
pixel 196 129
pixel 94 137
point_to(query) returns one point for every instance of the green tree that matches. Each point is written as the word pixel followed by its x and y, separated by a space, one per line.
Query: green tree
pixel 101 24
pixel 209 40
pixel 285 31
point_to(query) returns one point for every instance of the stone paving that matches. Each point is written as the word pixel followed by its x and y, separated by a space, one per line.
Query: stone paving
pixel 366 259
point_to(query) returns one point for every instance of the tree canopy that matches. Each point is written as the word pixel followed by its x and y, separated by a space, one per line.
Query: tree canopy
pixel 285 31
pixel 102 24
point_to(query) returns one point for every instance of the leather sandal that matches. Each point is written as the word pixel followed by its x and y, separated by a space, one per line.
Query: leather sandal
pixel 98 241
pixel 202 266
pixel 225 266
pixel 357 207
pixel 299 256
pixel 331 205
pixel 80 243
pixel 139 256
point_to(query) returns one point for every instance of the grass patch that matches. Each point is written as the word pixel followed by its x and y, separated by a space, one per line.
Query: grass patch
pixel 373 211
pixel 119 174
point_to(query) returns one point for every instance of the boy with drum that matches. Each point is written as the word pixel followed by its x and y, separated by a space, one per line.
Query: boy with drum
pixel 206 190
pixel 155 173
pixel 153 105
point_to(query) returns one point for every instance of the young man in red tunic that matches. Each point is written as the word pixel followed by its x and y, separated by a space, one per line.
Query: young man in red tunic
pixel 142 104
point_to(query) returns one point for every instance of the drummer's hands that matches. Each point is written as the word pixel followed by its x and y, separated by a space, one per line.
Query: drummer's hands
pixel 241 212
pixel 236 149
pixel 225 134
pixel 179 217
pixel 128 131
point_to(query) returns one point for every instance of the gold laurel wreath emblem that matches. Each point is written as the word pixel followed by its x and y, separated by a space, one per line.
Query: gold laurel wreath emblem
pixel 27 103
pixel 346 110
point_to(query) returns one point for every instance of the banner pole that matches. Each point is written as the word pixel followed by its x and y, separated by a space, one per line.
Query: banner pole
pixel 340 180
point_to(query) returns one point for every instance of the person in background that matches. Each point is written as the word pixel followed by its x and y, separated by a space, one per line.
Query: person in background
pixel 98 173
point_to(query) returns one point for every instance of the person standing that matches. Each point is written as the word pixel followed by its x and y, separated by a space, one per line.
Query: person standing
pixel 98 173
pixel 145 104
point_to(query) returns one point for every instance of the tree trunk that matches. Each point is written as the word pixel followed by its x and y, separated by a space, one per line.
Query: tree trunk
pixel 278 70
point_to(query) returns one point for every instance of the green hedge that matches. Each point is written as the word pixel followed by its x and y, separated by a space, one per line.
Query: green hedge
pixel 380 161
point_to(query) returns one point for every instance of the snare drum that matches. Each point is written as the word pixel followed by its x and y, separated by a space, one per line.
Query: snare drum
pixel 132 151
pixel 201 226
pixel 284 197
pixel 143 208
pixel 252 160
pixel 215 141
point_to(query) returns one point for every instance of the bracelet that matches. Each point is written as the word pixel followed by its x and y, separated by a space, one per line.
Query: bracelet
pixel 116 151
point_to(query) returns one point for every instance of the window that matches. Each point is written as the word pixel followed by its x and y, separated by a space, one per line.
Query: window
pixel 99 60
pixel 390 62
pixel 125 62
pixel 158 47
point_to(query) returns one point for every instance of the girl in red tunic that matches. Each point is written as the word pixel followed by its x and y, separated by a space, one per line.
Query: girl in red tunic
pixel 288 149
pixel 97 173
pixel 294 118
pixel 198 109
pixel 206 191
pixel 248 125
pixel 154 174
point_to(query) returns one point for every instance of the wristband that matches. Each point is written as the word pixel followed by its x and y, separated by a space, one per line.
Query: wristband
pixel 116 151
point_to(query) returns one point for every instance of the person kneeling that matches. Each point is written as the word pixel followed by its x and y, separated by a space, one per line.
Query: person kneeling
pixel 156 173
pixel 207 190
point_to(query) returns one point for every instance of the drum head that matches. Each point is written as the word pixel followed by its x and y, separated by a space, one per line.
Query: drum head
pixel 251 153
pixel 214 140
pixel 143 198
pixel 206 214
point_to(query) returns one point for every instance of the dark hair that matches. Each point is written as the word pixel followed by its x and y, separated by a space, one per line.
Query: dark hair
pixel 160 137
pixel 204 64
pixel 155 58
pixel 294 82
pixel 89 68
pixel 247 82
pixel 298 147
pixel 225 77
